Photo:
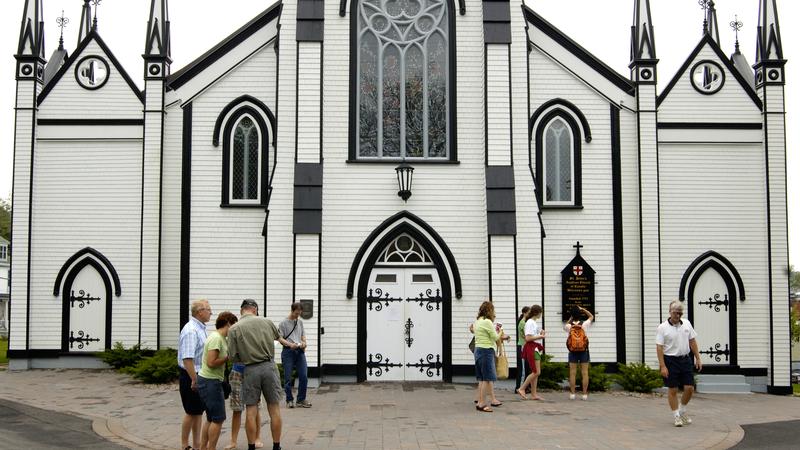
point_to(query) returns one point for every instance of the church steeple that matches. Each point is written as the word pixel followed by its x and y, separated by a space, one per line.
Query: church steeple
pixel 768 44
pixel 710 24
pixel 643 46
pixel 86 22
pixel 158 36
pixel 31 34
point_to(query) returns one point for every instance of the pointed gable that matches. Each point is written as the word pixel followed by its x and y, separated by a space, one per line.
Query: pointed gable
pixel 727 98
pixel 92 85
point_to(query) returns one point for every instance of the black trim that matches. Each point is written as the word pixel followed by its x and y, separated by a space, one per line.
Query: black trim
pixel 709 126
pixel 462 8
pixel 447 296
pixel 320 329
pixel 619 250
pixel 452 117
pixel 564 104
pixel 183 76
pixel 713 369
pixel 74 57
pixel 694 84
pixel 186 214
pixel 722 59
pixel 307 198
pixel 451 261
pixel 496 22
pixel 273 122
pixel 780 390
pixel 727 265
pixel 581 53
pixel 350 370
pixel 576 153
pixel 91 122
pixel 80 254
pixel 310 30
pixel 395 161
pixel 729 284
pixel 226 154
pixel 65 308
pixel 765 116
pixel 78 78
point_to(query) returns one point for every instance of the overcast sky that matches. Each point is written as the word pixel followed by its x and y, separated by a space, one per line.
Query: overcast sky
pixel 602 27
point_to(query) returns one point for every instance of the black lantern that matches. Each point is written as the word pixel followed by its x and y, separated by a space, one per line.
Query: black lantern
pixel 405 173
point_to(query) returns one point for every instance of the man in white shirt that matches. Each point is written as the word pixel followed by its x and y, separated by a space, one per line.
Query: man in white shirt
pixel 676 342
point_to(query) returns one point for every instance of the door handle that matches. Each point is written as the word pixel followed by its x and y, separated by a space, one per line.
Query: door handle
pixel 409 325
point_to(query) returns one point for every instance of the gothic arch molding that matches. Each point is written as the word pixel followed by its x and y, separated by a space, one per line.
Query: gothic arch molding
pixel 722 265
pixel 568 109
pixel 102 264
pixel 72 273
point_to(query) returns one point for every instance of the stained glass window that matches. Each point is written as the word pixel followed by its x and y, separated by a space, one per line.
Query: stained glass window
pixel 403 86
pixel 245 160
pixel 558 167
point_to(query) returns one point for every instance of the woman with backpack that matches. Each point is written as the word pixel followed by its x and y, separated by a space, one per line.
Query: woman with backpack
pixel 578 346
pixel 532 352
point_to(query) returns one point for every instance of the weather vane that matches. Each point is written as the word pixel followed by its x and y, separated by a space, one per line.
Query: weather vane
pixel 704 4
pixel 62 23
pixel 96 3
pixel 737 25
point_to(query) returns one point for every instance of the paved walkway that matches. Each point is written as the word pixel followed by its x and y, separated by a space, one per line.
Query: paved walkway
pixel 408 416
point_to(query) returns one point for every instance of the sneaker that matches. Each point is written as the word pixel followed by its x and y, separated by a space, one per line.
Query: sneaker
pixel 572 396
pixel 290 404
pixel 678 421
pixel 303 404
pixel 686 419
pixel 584 397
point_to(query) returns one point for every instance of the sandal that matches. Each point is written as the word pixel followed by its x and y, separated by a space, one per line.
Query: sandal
pixel 497 404
pixel 484 408
pixel 522 394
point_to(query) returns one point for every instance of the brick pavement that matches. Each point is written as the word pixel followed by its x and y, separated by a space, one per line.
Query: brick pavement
pixel 408 416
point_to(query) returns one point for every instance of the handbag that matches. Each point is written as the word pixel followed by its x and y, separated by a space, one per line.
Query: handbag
pixel 501 363
pixel 471 345
pixel 226 383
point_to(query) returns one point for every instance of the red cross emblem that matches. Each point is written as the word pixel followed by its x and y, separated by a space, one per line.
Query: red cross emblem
pixel 577 270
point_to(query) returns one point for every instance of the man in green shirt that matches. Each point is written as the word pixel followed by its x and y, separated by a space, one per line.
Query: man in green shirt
pixel 252 342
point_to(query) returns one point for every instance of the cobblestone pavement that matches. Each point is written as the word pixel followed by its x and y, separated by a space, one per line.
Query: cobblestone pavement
pixel 408 416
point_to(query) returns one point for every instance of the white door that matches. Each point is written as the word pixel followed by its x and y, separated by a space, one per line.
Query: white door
pixel 404 324
pixel 711 314
pixel 86 301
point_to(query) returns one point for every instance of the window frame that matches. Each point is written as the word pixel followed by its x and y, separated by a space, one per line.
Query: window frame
pixel 227 158
pixel 540 137
pixel 451 126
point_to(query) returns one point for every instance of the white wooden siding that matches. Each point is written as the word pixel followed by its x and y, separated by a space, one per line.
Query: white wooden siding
pixel 86 194
pixel 309 96
pixel 504 288
pixel 169 315
pixel 306 278
pixel 705 206
pixel 630 234
pixel 498 105
pixel 593 225
pixel 114 99
pixel 730 104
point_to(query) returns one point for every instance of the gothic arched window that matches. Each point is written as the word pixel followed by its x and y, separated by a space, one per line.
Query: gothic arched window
pixel 403 93
pixel 244 159
pixel 558 160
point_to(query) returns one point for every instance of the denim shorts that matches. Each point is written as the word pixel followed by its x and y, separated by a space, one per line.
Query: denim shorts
pixel 484 364
pixel 681 370
pixel 211 392
pixel 192 403
pixel 578 357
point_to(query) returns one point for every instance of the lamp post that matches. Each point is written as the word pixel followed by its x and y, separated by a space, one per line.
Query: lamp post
pixel 405 174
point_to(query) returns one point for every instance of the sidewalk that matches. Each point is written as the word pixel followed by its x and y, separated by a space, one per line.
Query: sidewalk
pixel 407 416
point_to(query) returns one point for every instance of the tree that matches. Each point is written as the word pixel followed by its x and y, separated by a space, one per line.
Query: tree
pixel 795 326
pixel 794 280
pixel 5 218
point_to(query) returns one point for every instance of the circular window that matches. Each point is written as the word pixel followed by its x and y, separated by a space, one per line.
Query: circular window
pixel 647 74
pixel 92 72
pixel 707 77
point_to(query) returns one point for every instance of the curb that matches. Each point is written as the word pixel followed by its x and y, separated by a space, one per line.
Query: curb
pixel 112 430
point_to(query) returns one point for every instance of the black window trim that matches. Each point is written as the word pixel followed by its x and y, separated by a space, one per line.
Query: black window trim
pixel 541 127
pixel 233 120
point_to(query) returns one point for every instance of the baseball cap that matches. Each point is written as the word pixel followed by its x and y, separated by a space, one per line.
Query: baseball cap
pixel 249 303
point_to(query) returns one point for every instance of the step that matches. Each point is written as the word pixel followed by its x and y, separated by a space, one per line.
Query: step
pixel 723 384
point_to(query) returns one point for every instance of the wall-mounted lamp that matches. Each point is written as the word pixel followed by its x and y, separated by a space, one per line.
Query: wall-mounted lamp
pixel 405 174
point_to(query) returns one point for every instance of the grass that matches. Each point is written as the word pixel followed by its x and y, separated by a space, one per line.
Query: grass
pixel 4 351
pixel 796 389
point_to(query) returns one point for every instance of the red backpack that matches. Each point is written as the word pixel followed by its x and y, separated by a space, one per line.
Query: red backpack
pixel 577 340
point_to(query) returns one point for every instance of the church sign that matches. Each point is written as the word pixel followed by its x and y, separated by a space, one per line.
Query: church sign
pixel 577 285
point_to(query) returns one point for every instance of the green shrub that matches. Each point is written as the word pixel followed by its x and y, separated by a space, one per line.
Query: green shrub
pixel 599 380
pixel 639 377
pixel 162 367
pixel 553 373
pixel 3 350
pixel 118 357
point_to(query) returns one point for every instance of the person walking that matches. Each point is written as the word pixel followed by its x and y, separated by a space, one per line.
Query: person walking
pixel 486 339
pixel 235 378
pixel 521 343
pixel 676 342
pixel 532 352
pixel 210 377
pixel 190 358
pixel 252 343
pixel 577 325
pixel 292 330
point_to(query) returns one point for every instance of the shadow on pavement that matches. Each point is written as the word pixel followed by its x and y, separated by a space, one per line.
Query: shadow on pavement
pixel 770 436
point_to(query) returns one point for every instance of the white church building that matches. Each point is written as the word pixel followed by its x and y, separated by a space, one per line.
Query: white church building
pixel 392 164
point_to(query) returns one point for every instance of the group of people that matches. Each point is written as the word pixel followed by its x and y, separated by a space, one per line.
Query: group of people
pixel 248 343
pixel 676 347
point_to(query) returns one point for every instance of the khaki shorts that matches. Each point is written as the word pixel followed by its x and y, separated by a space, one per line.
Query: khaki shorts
pixel 261 379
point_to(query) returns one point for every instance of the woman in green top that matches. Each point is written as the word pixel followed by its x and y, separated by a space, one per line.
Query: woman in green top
pixel 209 379
pixel 486 340
pixel 520 344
